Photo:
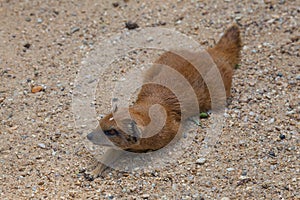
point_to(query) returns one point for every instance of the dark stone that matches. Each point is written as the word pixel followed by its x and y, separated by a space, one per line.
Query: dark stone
pixel 131 25
pixel 272 154
pixel 116 4
pixel 279 74
pixel 75 29
pixel 27 45
pixel 282 136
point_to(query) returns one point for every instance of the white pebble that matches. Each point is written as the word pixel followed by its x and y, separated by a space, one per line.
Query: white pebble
pixel 201 161
pixel 43 146
pixel 230 169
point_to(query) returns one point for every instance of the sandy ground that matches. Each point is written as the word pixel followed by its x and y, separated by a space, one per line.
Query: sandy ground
pixel 42 155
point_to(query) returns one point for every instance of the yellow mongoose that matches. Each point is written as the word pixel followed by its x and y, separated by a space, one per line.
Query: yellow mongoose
pixel 127 134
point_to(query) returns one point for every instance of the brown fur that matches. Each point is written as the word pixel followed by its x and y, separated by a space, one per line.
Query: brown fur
pixel 130 134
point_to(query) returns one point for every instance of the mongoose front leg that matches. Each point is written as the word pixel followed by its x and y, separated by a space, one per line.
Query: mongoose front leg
pixel 108 158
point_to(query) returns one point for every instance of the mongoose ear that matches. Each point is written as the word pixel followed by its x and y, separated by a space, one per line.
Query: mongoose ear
pixel 131 128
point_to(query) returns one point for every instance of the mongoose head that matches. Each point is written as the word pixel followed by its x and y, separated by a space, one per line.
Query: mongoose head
pixel 116 130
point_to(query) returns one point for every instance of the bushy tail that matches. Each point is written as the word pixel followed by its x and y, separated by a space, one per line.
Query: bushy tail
pixel 230 46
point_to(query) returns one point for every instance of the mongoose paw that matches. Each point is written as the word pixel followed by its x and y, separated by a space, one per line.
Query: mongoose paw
pixel 95 171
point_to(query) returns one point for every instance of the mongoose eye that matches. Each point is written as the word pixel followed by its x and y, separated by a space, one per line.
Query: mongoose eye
pixel 135 139
pixel 111 132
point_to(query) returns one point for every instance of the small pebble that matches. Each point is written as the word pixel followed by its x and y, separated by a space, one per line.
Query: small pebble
pixel 34 188
pixel 131 25
pixel 75 29
pixel 272 153
pixel 178 22
pixel 230 169
pixel 2 99
pixel 174 187
pixel 238 17
pixel 271 121
pixel 42 145
pixel 281 1
pixel 150 39
pixel 200 161
pixel 225 115
pixel 225 198
pixel 279 74
pixel 36 89
pixel 244 172
pixel 298 77
pixel 56 12
pixel 39 20
pixel 162 23
pixel 145 196
pixel 273 167
pixel 115 4
pixel 292 82
pixel 252 83
pixel 27 45
pixel 282 136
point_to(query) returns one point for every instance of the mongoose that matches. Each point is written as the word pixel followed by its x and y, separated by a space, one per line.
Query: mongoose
pixel 127 133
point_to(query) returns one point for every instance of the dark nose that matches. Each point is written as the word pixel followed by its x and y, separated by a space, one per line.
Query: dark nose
pixel 90 136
